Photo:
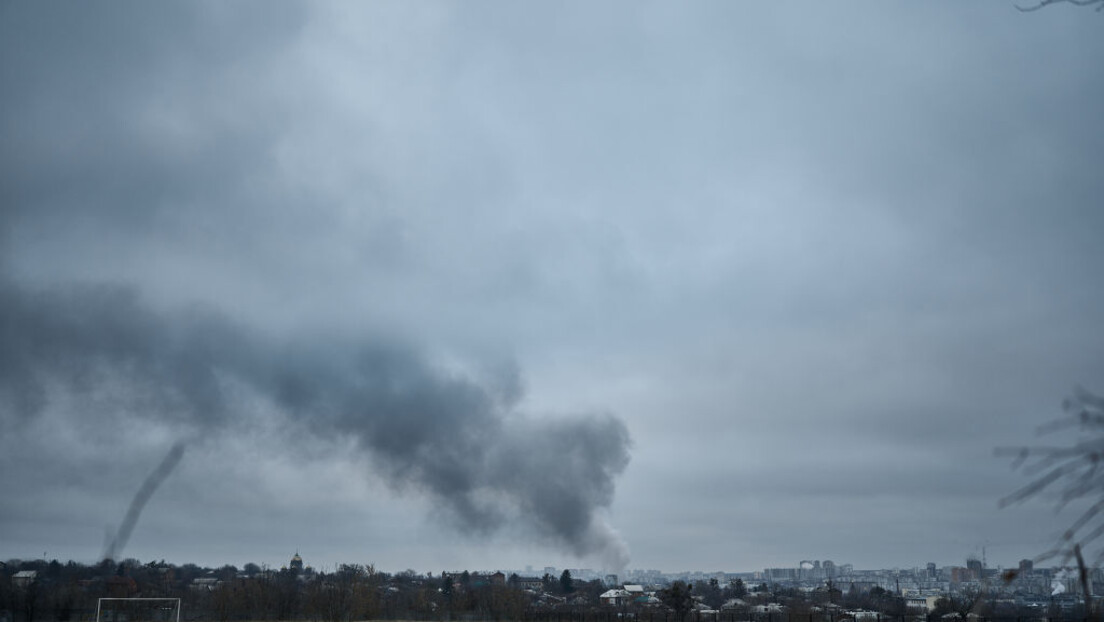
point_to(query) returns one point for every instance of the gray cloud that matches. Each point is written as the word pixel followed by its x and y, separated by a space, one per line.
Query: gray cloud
pixel 438 433
pixel 807 252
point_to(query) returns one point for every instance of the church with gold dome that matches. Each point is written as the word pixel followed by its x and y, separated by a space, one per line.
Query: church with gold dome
pixel 296 566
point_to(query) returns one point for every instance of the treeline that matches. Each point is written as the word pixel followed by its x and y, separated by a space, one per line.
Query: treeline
pixel 40 591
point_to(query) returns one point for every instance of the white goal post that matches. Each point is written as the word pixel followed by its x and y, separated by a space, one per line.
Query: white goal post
pixel 174 602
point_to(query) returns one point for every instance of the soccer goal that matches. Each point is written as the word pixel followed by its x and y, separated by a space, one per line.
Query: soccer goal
pixel 138 610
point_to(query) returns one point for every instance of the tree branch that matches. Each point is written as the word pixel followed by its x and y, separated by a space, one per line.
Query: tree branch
pixel 1045 3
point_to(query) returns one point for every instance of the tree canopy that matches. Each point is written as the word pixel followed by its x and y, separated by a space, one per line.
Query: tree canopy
pixel 678 597
pixel 567 584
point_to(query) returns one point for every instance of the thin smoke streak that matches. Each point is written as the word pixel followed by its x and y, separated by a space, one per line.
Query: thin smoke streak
pixel 154 480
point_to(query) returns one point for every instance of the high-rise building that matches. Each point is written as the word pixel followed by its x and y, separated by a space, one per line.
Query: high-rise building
pixel 975 569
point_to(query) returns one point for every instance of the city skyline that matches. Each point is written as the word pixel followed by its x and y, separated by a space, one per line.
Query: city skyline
pixel 531 570
pixel 803 571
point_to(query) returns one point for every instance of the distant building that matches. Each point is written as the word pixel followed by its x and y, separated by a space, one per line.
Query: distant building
pixel 615 598
pixel 24 578
pixel 530 583
pixel 920 604
pixel 204 584
pixel 862 587
pixel 296 562
pixel 975 569
pixel 781 574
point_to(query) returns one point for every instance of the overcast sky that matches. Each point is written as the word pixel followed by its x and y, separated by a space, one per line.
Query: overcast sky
pixel 487 284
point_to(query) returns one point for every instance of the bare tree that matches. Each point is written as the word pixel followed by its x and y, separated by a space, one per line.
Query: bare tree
pixel 1071 471
pixel 1043 3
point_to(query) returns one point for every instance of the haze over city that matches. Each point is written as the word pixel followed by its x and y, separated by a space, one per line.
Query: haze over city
pixel 490 285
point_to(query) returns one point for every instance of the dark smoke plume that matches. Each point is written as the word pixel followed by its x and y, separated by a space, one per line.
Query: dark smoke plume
pixel 118 542
pixel 442 434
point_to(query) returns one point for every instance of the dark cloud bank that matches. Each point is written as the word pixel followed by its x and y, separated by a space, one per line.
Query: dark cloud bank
pixel 827 259
pixel 452 437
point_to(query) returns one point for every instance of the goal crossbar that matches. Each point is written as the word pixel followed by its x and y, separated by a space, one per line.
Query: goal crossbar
pixel 100 602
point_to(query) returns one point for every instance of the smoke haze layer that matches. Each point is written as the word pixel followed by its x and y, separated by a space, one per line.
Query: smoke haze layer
pixel 440 433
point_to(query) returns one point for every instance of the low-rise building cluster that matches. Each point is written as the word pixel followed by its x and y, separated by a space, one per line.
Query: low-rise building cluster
pixel 33 591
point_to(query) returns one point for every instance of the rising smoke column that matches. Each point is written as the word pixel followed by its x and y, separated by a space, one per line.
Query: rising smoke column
pixel 118 542
pixel 445 435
